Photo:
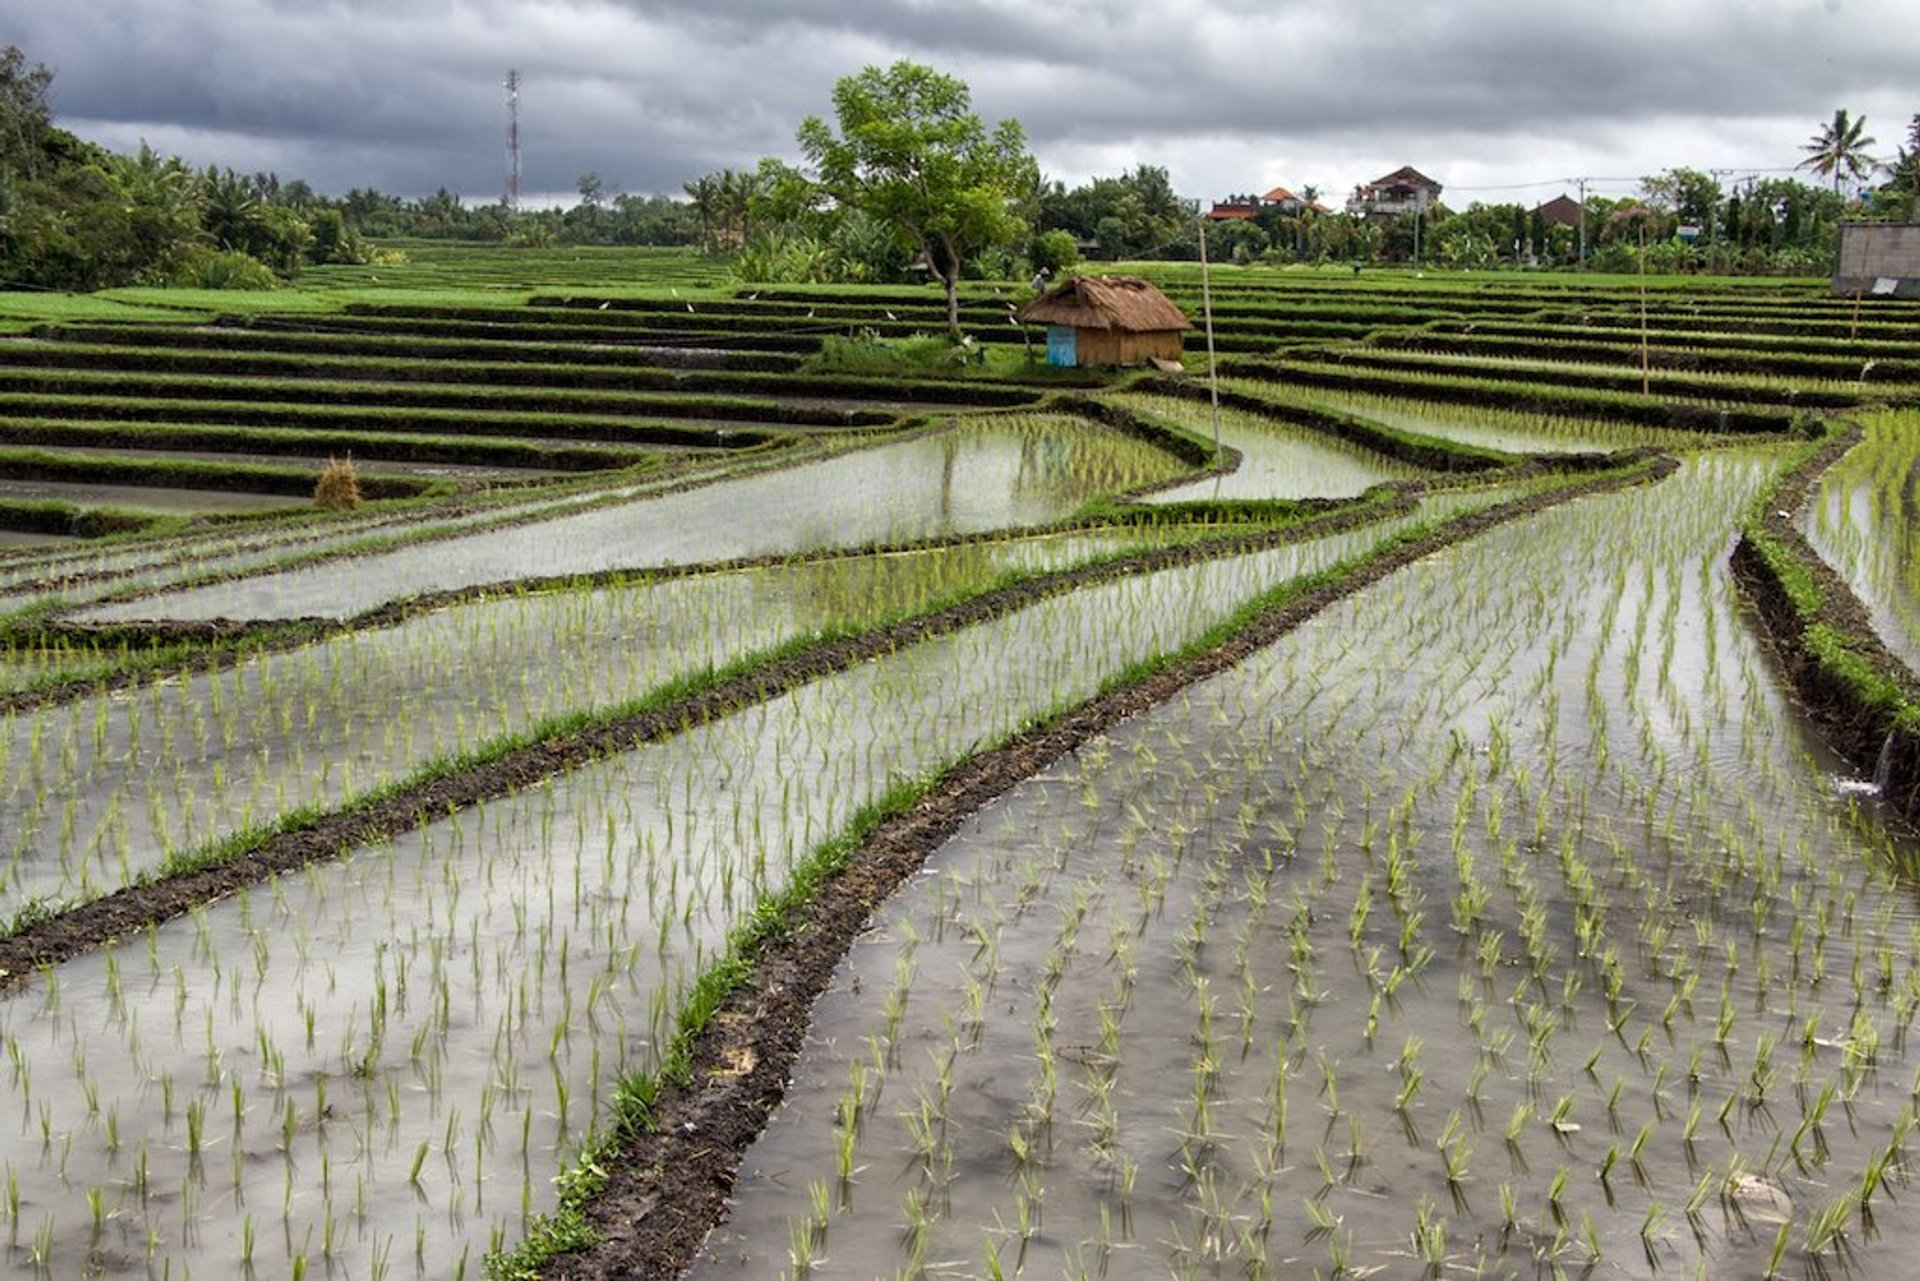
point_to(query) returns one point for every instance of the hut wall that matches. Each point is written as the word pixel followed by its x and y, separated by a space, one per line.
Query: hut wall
pixel 1878 258
pixel 1117 347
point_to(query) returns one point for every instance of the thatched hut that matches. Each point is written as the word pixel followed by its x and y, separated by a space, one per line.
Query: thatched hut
pixel 1107 320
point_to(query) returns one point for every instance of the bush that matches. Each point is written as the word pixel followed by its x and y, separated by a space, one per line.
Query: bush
pixel 223 269
pixel 339 486
pixel 1054 250
pixel 920 354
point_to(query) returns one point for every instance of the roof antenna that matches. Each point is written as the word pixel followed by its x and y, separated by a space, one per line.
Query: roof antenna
pixel 513 142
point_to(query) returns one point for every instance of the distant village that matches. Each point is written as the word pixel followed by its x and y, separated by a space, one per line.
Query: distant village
pixel 1681 220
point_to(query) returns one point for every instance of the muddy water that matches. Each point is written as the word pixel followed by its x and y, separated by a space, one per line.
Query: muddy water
pixel 377 1065
pixel 973 478
pixel 97 791
pixel 1276 460
pixel 27 578
pixel 1504 914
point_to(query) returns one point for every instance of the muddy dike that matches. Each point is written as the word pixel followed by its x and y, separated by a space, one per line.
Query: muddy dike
pixel 1670 359
pixel 1590 404
pixel 667 1182
pixel 1429 453
pixel 1864 708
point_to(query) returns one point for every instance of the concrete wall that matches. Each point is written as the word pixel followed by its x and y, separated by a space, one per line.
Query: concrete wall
pixel 1874 252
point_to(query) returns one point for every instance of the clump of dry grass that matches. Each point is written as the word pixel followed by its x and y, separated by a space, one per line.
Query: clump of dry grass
pixel 339 486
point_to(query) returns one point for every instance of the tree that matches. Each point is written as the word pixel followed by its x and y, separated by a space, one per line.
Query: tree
pixel 1840 148
pixel 1688 194
pixel 1904 172
pixel 912 154
pixel 24 118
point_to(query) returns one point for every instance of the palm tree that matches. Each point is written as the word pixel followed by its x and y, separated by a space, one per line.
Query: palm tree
pixel 705 196
pixel 1839 149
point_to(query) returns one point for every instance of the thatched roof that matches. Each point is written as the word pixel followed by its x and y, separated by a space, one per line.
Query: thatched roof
pixel 1126 303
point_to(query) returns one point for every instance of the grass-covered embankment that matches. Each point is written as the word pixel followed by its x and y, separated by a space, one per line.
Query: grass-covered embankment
pixel 1865 702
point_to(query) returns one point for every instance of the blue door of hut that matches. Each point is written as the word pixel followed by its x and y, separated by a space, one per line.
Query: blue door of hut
pixel 1060 346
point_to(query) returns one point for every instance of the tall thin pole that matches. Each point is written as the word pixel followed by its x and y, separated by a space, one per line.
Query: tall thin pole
pixel 1646 356
pixel 1583 220
pixel 1213 368
pixel 513 142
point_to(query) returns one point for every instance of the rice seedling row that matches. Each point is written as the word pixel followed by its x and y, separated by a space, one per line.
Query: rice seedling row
pixel 1827 369
pixel 1526 396
pixel 1549 953
pixel 1861 519
pixel 441 1016
pixel 1276 460
pixel 974 476
pixel 99 792
pixel 501 326
pixel 241 336
pixel 92 572
pixel 1861 349
pixel 1742 388
pixel 370 449
pixel 1508 431
pixel 34 366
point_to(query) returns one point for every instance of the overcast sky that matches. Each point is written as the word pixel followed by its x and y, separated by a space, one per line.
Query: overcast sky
pixel 1497 99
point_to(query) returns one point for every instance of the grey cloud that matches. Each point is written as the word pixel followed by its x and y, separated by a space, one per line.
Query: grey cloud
pixel 406 95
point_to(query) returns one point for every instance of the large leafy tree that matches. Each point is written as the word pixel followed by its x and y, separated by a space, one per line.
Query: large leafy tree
pixel 1840 149
pixel 911 153
pixel 1133 215
pixel 24 119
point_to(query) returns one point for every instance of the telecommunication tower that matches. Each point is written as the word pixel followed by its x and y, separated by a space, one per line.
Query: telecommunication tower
pixel 513 142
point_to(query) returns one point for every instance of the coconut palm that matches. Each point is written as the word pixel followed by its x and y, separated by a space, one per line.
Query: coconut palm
pixel 1840 149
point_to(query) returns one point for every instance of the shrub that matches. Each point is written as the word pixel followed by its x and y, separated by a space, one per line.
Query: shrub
pixel 1055 250
pixel 339 486
pixel 223 269
pixel 920 354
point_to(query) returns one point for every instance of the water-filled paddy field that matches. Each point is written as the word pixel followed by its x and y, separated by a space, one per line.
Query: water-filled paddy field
pixel 497 1062
pixel 1503 917
pixel 972 477
pixel 1862 521
pixel 1386 951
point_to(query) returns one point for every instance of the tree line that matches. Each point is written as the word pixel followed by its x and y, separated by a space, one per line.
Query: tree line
pixel 907 182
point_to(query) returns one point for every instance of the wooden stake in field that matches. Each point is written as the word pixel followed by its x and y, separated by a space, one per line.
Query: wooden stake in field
pixel 1646 376
pixel 1213 370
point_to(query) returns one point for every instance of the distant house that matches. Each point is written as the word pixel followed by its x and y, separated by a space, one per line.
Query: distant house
pixel 1285 201
pixel 1234 207
pixel 1107 320
pixel 1562 211
pixel 1405 190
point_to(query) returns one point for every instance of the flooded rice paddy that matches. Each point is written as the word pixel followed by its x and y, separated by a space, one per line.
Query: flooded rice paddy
pixel 1502 920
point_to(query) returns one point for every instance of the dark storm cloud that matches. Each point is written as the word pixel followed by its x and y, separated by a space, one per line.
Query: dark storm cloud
pixel 406 95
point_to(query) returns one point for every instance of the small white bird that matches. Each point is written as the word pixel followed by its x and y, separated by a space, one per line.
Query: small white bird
pixel 890 315
pixel 603 306
pixel 689 306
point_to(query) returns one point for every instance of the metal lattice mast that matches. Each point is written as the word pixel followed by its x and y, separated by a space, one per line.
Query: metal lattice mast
pixel 513 142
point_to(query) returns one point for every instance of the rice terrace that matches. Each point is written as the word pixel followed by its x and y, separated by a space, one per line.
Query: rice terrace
pixel 538 759
pixel 1418 841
